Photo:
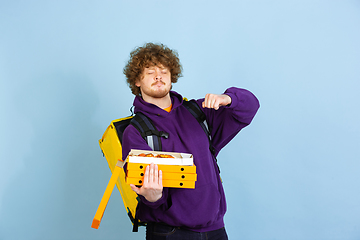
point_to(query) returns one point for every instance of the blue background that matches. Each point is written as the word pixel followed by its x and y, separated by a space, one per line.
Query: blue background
pixel 292 174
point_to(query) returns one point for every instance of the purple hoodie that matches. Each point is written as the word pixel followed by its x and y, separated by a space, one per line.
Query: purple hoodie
pixel 201 209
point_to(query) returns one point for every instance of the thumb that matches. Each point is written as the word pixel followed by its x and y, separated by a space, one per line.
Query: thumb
pixel 134 188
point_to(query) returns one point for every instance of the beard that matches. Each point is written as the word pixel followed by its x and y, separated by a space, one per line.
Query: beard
pixel 156 92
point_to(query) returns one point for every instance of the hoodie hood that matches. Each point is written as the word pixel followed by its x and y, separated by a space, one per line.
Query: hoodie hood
pixel 145 107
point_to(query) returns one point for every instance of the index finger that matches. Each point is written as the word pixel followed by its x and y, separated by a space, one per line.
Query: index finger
pixel 146 175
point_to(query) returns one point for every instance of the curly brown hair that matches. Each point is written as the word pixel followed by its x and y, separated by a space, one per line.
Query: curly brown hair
pixel 151 55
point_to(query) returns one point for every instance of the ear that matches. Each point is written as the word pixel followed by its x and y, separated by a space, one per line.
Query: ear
pixel 137 83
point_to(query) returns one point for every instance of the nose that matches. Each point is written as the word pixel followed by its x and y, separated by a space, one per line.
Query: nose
pixel 158 74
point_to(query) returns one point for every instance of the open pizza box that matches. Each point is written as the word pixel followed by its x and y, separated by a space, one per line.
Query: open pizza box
pixel 160 158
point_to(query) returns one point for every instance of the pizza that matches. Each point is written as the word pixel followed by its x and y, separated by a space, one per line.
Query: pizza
pixel 156 156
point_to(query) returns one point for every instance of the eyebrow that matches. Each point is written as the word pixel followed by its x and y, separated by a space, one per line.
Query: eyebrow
pixel 152 67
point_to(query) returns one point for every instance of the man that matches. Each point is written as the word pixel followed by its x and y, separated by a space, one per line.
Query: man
pixel 179 213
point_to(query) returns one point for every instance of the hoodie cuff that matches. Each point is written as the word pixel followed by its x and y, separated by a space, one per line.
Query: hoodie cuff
pixel 233 99
pixel 156 204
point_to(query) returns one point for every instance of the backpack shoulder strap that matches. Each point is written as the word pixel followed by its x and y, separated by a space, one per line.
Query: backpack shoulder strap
pixel 148 131
pixel 196 111
pixel 153 137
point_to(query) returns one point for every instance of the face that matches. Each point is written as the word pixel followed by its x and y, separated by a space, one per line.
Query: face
pixel 155 82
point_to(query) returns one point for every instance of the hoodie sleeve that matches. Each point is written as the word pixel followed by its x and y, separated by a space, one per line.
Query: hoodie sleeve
pixel 227 121
pixel 133 140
